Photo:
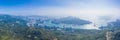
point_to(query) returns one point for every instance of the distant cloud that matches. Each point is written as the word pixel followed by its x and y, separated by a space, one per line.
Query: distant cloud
pixel 91 10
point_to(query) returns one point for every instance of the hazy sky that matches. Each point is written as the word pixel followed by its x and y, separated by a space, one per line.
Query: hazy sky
pixel 97 11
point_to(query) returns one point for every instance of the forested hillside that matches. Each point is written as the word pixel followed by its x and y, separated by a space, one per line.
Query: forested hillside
pixel 28 28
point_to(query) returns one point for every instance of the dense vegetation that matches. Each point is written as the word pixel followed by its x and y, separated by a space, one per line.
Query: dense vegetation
pixel 16 28
pixel 30 33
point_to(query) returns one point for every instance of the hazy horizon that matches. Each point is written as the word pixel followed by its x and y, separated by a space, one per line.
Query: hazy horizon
pixel 97 11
